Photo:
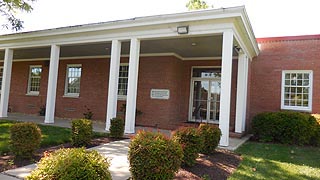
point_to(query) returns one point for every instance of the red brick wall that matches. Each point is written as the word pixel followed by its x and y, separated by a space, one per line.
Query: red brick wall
pixel 154 73
pixel 93 89
pixel 18 100
pixel 274 57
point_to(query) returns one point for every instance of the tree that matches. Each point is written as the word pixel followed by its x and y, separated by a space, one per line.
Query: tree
pixel 9 9
pixel 196 4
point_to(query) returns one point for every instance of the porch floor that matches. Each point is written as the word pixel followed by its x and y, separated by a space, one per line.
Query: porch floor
pixel 234 143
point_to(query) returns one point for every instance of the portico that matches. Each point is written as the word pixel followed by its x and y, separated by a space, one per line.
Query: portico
pixel 219 36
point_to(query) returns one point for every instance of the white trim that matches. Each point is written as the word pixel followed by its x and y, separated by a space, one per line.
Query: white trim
pixel 209 58
pixel 1 77
pixel 66 94
pixel 52 84
pixel 297 108
pixel 33 93
pixel 132 86
pixel 5 91
pixel 241 97
pixel 226 79
pixel 113 82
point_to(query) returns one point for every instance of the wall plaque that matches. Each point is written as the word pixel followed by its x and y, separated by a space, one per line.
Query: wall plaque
pixel 160 94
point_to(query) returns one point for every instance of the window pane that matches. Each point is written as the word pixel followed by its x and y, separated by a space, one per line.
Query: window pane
pixel 287 82
pixel 299 76
pixel 287 76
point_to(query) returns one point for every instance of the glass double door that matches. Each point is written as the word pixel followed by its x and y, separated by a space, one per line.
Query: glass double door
pixel 205 100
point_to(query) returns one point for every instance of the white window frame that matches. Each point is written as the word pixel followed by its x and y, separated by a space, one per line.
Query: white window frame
pixel 122 97
pixel 297 108
pixel 29 92
pixel 1 77
pixel 66 94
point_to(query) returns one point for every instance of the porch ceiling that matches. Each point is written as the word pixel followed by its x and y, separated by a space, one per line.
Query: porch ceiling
pixel 186 47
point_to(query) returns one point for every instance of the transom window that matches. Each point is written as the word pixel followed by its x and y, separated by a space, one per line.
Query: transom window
pixel 123 80
pixel 34 80
pixel 297 90
pixel 73 80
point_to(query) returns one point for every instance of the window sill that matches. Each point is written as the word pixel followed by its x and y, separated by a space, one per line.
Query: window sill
pixel 307 109
pixel 71 96
pixel 32 94
pixel 122 98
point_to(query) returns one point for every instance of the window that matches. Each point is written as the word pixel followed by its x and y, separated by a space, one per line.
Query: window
pixel 34 80
pixel 296 90
pixel 73 77
pixel 123 80
pixel 1 75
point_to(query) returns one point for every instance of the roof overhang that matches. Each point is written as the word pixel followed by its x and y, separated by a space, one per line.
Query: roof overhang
pixel 201 23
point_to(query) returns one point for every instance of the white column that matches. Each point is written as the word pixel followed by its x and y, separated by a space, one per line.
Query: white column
pixel 6 78
pixel 113 82
pixel 132 86
pixel 241 93
pixel 52 84
pixel 226 72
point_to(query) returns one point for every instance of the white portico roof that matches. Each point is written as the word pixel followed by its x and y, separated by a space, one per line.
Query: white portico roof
pixel 158 34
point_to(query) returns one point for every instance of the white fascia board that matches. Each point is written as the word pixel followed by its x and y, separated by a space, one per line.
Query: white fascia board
pixel 123 24
pixel 149 32
pixel 249 31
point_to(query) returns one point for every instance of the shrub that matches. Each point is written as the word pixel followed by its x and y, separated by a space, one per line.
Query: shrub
pixel 88 113
pixel 211 137
pixel 284 127
pixel 69 164
pixel 116 128
pixel 191 142
pixel 315 139
pixel 25 138
pixel 81 132
pixel 153 156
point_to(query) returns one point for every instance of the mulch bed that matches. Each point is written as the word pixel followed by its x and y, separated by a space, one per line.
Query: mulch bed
pixel 219 165
pixel 8 161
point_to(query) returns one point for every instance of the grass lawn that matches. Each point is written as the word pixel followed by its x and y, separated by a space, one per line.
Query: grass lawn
pixel 51 135
pixel 274 161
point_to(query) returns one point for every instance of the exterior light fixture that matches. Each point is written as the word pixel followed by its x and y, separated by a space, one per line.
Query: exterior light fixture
pixel 237 49
pixel 183 29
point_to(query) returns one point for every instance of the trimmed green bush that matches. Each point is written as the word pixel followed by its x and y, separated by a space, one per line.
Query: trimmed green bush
pixel 116 127
pixel 69 164
pixel 211 137
pixel 81 133
pixel 154 156
pixel 284 127
pixel 315 139
pixel 191 142
pixel 25 138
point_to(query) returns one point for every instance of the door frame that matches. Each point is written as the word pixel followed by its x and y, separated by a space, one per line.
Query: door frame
pixel 192 79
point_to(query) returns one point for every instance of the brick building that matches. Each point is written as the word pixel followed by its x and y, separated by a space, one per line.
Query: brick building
pixel 201 66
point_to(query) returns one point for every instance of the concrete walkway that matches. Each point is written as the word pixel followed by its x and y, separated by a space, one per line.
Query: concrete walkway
pixel 115 151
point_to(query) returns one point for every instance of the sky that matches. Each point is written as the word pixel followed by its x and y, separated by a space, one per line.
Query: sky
pixel 269 18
